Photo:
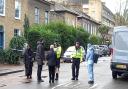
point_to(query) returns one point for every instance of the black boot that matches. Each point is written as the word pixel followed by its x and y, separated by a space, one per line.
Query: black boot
pixel 52 81
pixel 49 81
pixel 56 76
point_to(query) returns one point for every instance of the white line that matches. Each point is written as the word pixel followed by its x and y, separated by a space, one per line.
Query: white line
pixel 94 86
pixel 60 85
pixel 76 85
pixel 68 84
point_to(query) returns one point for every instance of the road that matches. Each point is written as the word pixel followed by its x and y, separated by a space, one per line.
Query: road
pixel 103 79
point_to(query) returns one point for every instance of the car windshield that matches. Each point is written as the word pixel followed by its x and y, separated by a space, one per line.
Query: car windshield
pixel 70 49
pixel 121 41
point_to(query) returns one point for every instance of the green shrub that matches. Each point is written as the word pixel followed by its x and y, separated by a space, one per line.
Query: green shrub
pixel 68 34
pixel 49 38
pixel 2 55
pixel 12 56
pixel 95 40
pixel 9 56
pixel 17 42
pixel 33 37
pixel 64 34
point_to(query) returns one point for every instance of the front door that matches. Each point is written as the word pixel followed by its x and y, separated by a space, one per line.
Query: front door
pixel 1 39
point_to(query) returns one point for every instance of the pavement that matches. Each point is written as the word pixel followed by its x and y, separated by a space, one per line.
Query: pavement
pixel 6 69
pixel 9 69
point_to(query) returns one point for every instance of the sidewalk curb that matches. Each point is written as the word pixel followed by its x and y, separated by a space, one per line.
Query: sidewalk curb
pixel 10 72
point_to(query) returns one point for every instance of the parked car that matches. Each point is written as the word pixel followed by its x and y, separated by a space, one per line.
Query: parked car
pixel 98 50
pixel 119 62
pixel 105 50
pixel 67 55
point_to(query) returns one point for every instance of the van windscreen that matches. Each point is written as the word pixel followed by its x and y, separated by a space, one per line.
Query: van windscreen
pixel 121 40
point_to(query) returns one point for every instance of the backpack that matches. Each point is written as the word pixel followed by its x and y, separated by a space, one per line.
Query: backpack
pixel 95 57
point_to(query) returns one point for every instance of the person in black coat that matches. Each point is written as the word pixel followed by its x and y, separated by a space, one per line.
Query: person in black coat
pixel 51 58
pixel 28 55
pixel 40 56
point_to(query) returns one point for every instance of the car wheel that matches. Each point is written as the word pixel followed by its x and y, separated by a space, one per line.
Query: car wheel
pixel 114 75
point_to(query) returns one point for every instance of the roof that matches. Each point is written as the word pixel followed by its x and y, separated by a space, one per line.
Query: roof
pixel 61 8
pixel 85 16
pixel 44 1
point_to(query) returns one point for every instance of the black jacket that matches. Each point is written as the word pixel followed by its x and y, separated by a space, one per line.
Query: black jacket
pixel 40 54
pixel 28 55
pixel 51 58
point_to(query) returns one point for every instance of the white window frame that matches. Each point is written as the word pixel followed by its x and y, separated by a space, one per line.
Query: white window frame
pixel 46 18
pixel 18 34
pixel 19 1
pixel 37 20
pixel 4 9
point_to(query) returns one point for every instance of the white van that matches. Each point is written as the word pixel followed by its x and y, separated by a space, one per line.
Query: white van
pixel 119 62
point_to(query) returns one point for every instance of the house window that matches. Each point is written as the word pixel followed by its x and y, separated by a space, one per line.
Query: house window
pixel 37 15
pixel 17 9
pixel 2 7
pixel 16 32
pixel 46 17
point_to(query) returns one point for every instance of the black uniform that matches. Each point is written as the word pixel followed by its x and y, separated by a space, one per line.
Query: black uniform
pixel 51 57
pixel 40 56
pixel 28 55
pixel 75 68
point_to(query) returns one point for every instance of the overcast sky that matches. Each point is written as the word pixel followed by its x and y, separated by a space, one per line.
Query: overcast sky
pixel 113 5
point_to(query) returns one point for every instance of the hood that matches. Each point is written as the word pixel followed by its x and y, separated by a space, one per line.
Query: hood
pixel 89 46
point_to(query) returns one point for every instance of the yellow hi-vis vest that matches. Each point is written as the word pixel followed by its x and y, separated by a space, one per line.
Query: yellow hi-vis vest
pixel 77 53
pixel 58 51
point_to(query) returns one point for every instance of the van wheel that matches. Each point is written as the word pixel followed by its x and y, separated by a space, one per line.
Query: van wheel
pixel 114 75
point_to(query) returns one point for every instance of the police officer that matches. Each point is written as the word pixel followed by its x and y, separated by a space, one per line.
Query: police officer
pixel 77 58
pixel 58 51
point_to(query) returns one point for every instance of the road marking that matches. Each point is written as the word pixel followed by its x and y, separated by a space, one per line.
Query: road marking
pixel 68 84
pixel 60 85
pixel 94 86
pixel 75 85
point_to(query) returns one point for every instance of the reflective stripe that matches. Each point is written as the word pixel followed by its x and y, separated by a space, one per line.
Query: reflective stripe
pixel 77 53
pixel 58 51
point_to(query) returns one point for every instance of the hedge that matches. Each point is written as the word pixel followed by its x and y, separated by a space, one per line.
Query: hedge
pixel 17 42
pixel 62 33
pixel 95 40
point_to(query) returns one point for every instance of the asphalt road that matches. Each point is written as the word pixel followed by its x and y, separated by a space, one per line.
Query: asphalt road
pixel 103 79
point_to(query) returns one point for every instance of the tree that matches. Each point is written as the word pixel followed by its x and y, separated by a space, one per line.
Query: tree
pixel 121 15
pixel 103 30
pixel 95 40
pixel 26 26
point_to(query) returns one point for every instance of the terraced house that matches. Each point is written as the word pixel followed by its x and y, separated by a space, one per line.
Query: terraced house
pixel 12 14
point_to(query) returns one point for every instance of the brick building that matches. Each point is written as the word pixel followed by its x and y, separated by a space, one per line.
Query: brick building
pixel 12 14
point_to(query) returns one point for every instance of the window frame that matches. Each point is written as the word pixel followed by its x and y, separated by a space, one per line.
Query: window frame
pixel 46 18
pixel 3 9
pixel 18 32
pixel 37 15
pixel 19 1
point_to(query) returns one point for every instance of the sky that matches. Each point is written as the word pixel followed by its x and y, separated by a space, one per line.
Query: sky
pixel 114 5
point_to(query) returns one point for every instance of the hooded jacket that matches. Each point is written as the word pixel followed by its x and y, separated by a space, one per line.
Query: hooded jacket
pixel 90 52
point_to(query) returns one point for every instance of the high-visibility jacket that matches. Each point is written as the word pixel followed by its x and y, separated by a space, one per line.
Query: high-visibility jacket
pixel 77 53
pixel 58 51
